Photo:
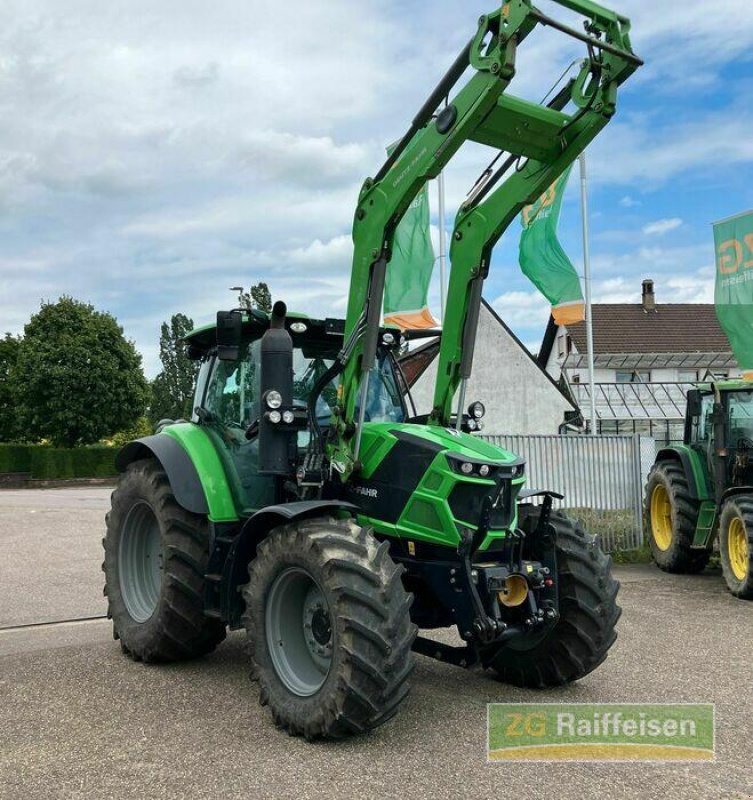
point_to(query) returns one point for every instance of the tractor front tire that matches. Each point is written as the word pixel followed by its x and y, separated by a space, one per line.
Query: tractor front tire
pixel 736 545
pixel 329 628
pixel 580 639
pixel 156 556
pixel 670 516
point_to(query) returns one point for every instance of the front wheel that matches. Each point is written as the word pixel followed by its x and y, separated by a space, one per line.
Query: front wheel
pixel 736 545
pixel 581 638
pixel 329 628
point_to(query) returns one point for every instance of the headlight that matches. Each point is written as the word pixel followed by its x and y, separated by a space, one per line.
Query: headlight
pixel 274 416
pixel 466 468
pixel 287 417
pixel 483 470
pixel 274 399
pixel 472 424
pixel 476 410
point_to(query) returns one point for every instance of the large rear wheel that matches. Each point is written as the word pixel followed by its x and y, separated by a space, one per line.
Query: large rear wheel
pixel 156 555
pixel 736 545
pixel 581 638
pixel 670 517
pixel 329 628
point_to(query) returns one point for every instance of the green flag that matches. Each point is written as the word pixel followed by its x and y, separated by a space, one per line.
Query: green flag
pixel 543 260
pixel 733 296
pixel 410 268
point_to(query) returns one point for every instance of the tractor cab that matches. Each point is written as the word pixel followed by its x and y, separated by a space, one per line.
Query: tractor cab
pixel 719 427
pixel 228 399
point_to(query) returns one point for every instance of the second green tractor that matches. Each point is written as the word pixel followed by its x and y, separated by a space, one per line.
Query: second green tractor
pixel 702 490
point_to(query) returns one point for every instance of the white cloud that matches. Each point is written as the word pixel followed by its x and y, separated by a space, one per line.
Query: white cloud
pixel 662 226
pixel 522 308
pixel 638 149
pixel 152 155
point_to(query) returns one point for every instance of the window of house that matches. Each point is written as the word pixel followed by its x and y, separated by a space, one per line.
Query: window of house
pixel 633 376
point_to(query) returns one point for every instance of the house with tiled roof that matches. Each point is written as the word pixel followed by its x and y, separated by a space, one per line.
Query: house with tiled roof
pixel 646 356
pixel 520 397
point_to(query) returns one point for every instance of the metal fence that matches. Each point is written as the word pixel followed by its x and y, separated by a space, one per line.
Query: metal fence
pixel 602 478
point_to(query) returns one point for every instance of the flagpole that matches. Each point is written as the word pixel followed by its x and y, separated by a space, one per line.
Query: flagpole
pixel 442 246
pixel 587 282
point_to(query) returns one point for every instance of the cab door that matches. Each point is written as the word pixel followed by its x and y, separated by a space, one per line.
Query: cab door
pixel 231 398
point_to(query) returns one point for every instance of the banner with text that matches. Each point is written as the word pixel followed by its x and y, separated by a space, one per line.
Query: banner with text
pixel 543 260
pixel 733 295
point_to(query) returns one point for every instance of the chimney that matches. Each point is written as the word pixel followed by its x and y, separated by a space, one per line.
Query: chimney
pixel 648 297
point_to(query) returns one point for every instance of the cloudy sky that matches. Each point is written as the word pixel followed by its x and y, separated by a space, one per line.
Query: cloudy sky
pixel 153 154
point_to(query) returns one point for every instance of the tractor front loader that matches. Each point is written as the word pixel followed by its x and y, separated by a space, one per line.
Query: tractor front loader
pixel 703 489
pixel 304 503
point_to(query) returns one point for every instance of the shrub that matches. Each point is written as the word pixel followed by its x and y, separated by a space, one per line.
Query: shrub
pixel 57 463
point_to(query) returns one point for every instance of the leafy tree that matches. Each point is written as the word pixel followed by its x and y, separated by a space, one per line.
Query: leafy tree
pixel 258 296
pixel 172 389
pixel 77 378
pixel 261 297
pixel 9 428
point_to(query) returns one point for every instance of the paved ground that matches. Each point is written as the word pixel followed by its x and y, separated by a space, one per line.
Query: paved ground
pixel 78 720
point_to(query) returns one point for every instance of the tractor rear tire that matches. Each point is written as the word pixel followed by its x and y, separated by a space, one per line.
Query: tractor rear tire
pixel 156 556
pixel 736 545
pixel 329 628
pixel 670 517
pixel 580 639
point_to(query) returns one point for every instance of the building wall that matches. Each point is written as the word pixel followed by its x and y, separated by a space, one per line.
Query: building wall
pixel 518 396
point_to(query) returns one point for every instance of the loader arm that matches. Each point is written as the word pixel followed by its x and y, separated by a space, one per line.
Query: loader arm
pixel 542 142
pixel 478 111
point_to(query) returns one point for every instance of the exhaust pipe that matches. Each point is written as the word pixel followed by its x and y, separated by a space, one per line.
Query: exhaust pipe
pixel 276 384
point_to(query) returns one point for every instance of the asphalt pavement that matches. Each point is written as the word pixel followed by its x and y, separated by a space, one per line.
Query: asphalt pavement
pixel 79 720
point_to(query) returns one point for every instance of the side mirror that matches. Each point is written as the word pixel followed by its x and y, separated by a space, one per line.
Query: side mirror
pixel 694 403
pixel 229 324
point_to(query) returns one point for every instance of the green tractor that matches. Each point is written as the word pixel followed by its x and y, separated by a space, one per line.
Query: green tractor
pixel 307 503
pixel 704 488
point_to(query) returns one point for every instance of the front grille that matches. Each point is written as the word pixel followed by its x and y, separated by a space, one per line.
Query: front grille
pixel 466 501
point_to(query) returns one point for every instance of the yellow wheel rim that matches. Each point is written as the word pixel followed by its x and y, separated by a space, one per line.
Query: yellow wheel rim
pixel 737 548
pixel 661 517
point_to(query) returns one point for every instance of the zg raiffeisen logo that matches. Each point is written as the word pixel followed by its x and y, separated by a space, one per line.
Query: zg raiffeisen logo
pixel 600 732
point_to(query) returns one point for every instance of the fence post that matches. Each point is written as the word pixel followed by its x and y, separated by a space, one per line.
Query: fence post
pixel 638 493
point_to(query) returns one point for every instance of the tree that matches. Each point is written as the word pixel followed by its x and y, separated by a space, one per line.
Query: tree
pixel 261 297
pixel 172 389
pixel 9 428
pixel 77 378
pixel 258 296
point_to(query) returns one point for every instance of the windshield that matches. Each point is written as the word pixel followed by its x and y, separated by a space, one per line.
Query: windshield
pixel 741 419
pixel 232 393
pixel 383 402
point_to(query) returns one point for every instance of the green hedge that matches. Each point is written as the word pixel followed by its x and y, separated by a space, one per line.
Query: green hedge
pixel 53 463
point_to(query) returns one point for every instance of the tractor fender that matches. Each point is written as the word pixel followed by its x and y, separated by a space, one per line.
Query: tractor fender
pixel 181 472
pixel 691 466
pixel 733 491
pixel 258 525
